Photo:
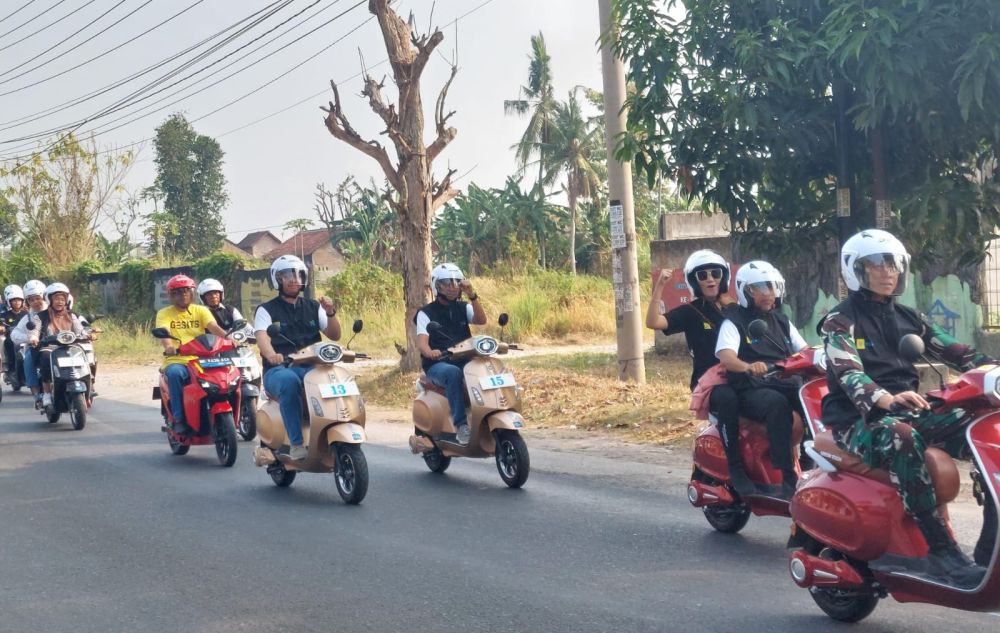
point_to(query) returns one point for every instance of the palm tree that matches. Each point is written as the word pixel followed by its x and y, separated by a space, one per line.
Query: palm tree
pixel 575 150
pixel 537 98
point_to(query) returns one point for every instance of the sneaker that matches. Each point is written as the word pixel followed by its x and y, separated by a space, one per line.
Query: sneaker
pixel 463 434
pixel 298 452
pixel 46 400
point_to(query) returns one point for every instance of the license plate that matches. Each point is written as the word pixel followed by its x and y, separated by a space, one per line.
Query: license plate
pixel 499 381
pixel 68 361
pixel 245 362
pixel 215 362
pixel 339 390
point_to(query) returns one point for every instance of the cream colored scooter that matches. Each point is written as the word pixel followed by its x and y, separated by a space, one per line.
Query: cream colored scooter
pixel 494 412
pixel 333 422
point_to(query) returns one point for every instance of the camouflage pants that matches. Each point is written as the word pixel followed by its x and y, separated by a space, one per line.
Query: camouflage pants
pixel 896 443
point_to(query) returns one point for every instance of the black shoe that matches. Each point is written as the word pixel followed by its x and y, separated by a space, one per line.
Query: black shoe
pixel 181 428
pixel 740 482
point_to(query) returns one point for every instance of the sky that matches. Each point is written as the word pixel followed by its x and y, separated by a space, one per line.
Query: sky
pixel 273 166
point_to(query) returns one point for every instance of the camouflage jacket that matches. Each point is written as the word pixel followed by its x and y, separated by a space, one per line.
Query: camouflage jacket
pixel 861 339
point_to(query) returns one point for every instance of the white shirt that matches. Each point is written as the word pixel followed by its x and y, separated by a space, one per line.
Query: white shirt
pixel 423 319
pixel 262 319
pixel 729 338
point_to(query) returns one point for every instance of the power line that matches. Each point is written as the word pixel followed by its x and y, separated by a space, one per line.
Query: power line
pixel 107 88
pixel 107 52
pixel 30 20
pixel 80 8
pixel 16 11
pixel 64 40
pixel 157 81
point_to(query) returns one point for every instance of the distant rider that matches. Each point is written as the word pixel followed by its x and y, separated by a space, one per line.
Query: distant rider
pixel 454 316
pixel 186 321
pixel 301 321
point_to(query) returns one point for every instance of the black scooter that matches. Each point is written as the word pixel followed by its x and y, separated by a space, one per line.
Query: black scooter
pixel 72 382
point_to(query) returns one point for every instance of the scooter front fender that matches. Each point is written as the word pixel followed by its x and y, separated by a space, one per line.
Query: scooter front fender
pixel 505 420
pixel 250 391
pixel 346 433
pixel 222 406
pixel 76 386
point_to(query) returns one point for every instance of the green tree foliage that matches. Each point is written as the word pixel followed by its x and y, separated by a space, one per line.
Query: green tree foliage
pixel 735 100
pixel 539 103
pixel 484 227
pixel 192 187
pixel 57 196
pixel 222 266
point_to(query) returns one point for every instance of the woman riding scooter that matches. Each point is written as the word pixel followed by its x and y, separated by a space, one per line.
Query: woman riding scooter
pixel 759 288
pixel 873 408
pixel 707 276
pixel 34 296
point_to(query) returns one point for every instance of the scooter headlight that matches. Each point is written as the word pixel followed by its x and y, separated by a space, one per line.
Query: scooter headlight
pixel 238 336
pixel 486 345
pixel 329 353
pixel 66 337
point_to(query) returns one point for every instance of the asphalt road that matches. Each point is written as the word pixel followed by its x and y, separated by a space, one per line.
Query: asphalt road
pixel 104 530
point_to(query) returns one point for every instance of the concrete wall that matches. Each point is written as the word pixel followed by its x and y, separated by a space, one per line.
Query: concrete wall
pixel 326 262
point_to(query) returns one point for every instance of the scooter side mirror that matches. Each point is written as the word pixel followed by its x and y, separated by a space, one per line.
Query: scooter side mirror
pixel 433 326
pixel 238 324
pixel 358 324
pixel 504 318
pixel 911 347
pixel 31 325
pixel 273 330
pixel 160 332
pixel 757 328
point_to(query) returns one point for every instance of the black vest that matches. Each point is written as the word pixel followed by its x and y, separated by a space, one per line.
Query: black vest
pixel 10 318
pixel 454 320
pixel 298 322
pixel 878 328
pixel 223 316
pixel 762 349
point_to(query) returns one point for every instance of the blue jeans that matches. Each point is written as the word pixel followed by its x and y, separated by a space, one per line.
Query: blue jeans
pixel 177 376
pixel 285 384
pixel 452 380
pixel 30 371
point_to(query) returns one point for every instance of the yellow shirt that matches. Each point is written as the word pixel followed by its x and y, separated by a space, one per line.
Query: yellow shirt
pixel 185 325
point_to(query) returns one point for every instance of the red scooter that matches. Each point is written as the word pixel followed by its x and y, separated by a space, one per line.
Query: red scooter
pixel 846 515
pixel 710 488
pixel 211 397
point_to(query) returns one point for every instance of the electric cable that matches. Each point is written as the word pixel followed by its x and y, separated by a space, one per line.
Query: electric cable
pixel 30 20
pixel 17 10
pixel 36 32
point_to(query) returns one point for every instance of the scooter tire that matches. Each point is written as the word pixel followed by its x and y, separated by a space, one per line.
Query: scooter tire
pixel 844 606
pixel 513 462
pixel 436 461
pixel 248 419
pixel 727 519
pixel 78 411
pixel 351 475
pixel 176 447
pixel 225 439
pixel 281 476
pixel 52 415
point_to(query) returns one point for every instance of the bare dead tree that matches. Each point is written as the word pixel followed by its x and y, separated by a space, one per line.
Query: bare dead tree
pixel 420 195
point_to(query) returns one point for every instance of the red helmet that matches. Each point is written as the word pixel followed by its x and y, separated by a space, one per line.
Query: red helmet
pixel 180 281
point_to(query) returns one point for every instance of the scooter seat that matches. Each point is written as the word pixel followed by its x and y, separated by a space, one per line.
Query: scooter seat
pixel 940 466
pixel 427 385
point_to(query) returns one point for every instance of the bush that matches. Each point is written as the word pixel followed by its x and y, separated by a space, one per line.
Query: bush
pixel 221 266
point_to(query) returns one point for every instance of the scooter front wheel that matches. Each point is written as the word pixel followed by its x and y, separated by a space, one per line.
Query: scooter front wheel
pixel 512 459
pixel 225 439
pixel 248 419
pixel 352 473
pixel 78 411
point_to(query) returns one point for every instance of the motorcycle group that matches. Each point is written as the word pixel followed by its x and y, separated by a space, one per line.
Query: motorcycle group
pixel 836 437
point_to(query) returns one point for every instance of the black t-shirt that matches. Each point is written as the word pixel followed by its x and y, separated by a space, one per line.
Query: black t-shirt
pixel 700 321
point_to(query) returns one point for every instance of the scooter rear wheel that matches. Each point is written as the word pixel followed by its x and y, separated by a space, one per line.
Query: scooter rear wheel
pixel 281 476
pixel 225 439
pixel 352 473
pixel 176 447
pixel 436 461
pixel 842 604
pixel 727 519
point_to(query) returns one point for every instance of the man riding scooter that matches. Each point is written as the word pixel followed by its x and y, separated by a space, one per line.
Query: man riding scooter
pixel 34 296
pixel 873 408
pixel 301 321
pixel 454 316
pixel 759 288
pixel 212 294
pixel 9 318
pixel 185 321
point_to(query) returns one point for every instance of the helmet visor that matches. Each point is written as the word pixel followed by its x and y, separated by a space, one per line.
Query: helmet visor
pixel 882 273
pixel 776 288
pixel 449 282
pixel 291 274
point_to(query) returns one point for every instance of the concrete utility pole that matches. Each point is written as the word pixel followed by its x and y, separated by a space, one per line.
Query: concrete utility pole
pixel 625 269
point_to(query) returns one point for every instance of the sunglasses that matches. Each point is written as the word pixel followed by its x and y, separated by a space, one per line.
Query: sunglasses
pixel 703 275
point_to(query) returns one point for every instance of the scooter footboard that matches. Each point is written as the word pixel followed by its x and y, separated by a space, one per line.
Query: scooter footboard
pixel 348 433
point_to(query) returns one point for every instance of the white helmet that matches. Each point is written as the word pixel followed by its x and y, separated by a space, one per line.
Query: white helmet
pixel 445 271
pixel 705 259
pixel 33 288
pixel 13 291
pixel 876 247
pixel 208 285
pixel 286 263
pixel 758 272
pixel 55 287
